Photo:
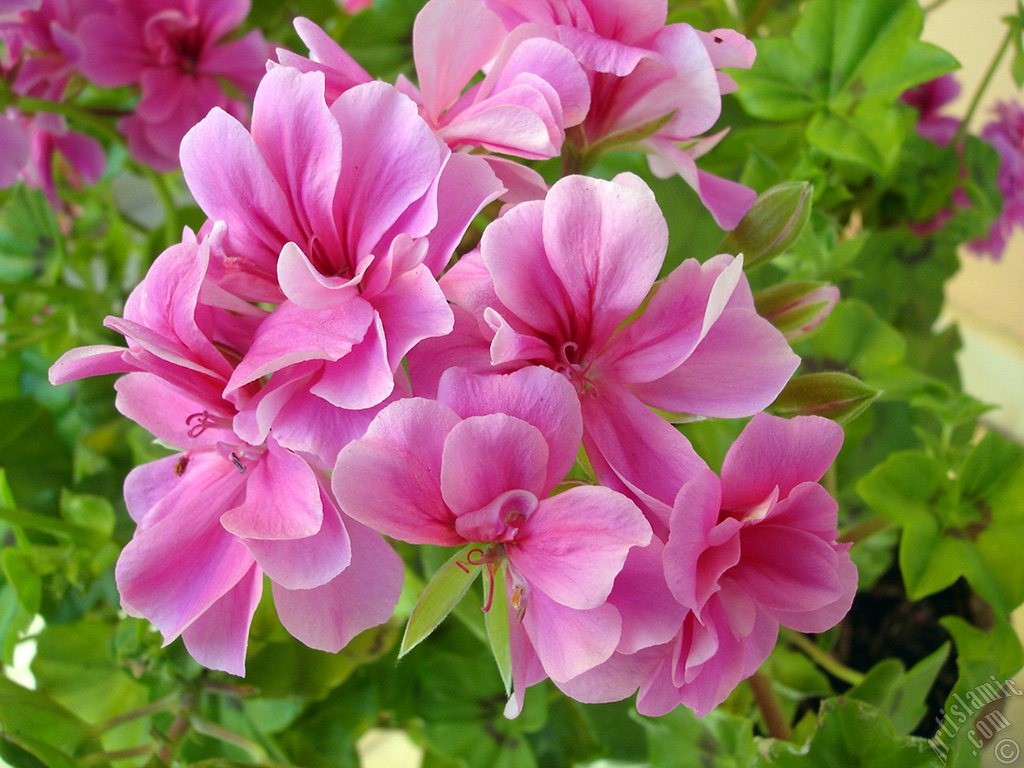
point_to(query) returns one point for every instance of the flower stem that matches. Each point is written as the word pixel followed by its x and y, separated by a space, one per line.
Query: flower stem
pixel 861 531
pixel 71 112
pixel 935 4
pixel 822 658
pixel 767 700
pixel 160 705
pixel 983 86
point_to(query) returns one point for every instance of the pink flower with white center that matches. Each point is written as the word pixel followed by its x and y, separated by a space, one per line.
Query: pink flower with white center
pixel 173 50
pixel 1006 134
pixel 213 519
pixel 558 283
pixel 653 85
pixel 341 216
pixel 478 466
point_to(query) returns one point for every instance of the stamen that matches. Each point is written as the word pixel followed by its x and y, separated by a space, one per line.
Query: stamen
pixel 202 421
pixel 238 463
pixel 515 519
pixel 519 602
pixel 179 467
pixel 490 588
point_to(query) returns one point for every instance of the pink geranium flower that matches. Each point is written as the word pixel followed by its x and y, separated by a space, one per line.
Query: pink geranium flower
pixel 216 517
pixel 342 216
pixel 478 465
pixel 558 283
pixel 1006 134
pixel 174 50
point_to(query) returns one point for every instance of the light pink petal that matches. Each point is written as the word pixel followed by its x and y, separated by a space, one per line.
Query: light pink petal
pixel 636 451
pixel 361 596
pixel 452 40
pixel 727 200
pixel 601 54
pixel 536 395
pixel 412 308
pixel 658 695
pixel 291 335
pixel 692 92
pixel 390 162
pixel 512 249
pixel 16 151
pixel 230 180
pixel 361 379
pixel 650 614
pixel 738 369
pixel 175 569
pixel 308 562
pixel 485 456
pixel 521 183
pixel 517 122
pixel 301 143
pixel 526 667
pixel 218 637
pixel 390 479
pixel 606 242
pixel 510 346
pixel 282 499
pixel 464 347
pixel 305 286
pixel 630 21
pixel 148 483
pixel 83 362
pixel 775 452
pixel 575 544
pixel 341 70
pixel 467 184
pixel 615 679
pixel 569 642
pixel 167 412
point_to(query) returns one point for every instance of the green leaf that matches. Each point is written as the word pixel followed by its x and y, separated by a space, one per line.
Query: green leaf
pixel 680 739
pixel 903 488
pixel 498 629
pixel 34 715
pixel 851 734
pixel 21 574
pixel 91 514
pixel 987 466
pixel 439 597
pixel 900 694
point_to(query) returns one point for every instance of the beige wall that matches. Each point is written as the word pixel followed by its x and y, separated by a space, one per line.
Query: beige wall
pixel 985 298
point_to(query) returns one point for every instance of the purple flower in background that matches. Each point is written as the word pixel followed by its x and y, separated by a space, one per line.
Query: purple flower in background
pixel 1006 134
pixel 929 99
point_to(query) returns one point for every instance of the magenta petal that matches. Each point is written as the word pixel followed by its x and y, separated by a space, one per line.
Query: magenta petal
pixel 774 452
pixel 485 456
pixel 282 499
pixel 568 642
pixel 361 596
pixel 308 562
pixel 16 146
pixel 390 479
pixel 738 369
pixel 826 616
pixel 606 242
pixel 218 638
pixel 694 514
pixel 575 544
pixel 538 396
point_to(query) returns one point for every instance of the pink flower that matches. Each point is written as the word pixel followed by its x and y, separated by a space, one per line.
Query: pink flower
pixel 558 283
pixel 15 154
pixel 747 553
pixel 653 85
pixel 478 465
pixel 173 50
pixel 81 158
pixel 341 216
pixel 929 99
pixel 213 519
pixel 1006 134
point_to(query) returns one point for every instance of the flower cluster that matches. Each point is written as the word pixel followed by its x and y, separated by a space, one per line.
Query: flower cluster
pixel 172 50
pixel 329 378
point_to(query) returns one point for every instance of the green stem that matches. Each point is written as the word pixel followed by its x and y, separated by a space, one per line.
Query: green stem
pixel 767 701
pixel 962 130
pixel 934 5
pixel 755 17
pixel 822 658
pixel 172 230
pixel 160 705
pixel 101 758
pixel 861 531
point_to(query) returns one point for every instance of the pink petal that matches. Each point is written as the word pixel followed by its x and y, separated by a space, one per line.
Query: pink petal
pixel 148 483
pixel 615 679
pixel 606 242
pixel 282 499
pixel 575 544
pixel 412 308
pixel 390 479
pixel 217 639
pixel 569 642
pixel 485 456
pixel 83 362
pixel 308 562
pixel 650 614
pixel 826 616
pixel 774 452
pixel 738 369
pixel 536 395
pixel 361 379
pixel 361 596
pixel 452 40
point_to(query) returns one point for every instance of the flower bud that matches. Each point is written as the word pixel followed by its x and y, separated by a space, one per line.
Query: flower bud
pixel 796 308
pixel 773 224
pixel 837 396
